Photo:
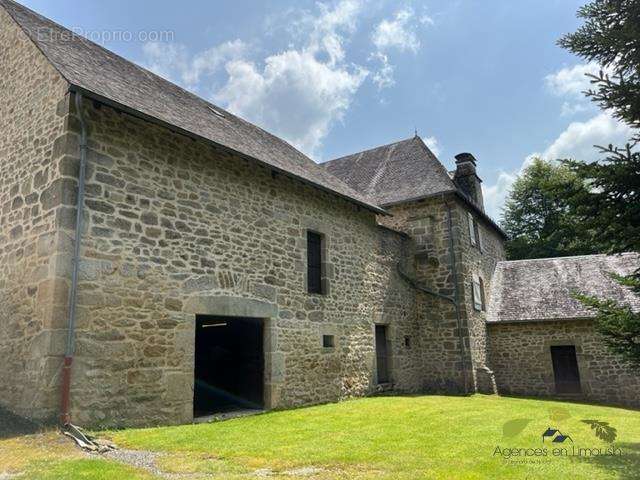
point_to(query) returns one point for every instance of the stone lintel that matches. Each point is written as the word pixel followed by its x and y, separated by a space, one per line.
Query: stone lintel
pixel 230 307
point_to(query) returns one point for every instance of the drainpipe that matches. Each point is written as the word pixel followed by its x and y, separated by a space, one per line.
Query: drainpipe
pixel 65 416
pixel 455 300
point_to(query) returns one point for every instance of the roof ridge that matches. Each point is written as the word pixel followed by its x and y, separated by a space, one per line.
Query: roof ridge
pixel 386 145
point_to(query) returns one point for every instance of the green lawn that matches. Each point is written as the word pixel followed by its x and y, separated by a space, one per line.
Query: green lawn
pixel 434 437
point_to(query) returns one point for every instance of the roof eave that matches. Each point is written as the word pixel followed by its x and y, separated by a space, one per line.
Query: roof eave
pixel 461 196
pixel 149 118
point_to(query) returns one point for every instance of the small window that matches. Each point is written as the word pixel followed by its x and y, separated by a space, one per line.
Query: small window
pixel 472 228
pixel 407 341
pixel 328 341
pixel 478 294
pixel 474 231
pixel 314 262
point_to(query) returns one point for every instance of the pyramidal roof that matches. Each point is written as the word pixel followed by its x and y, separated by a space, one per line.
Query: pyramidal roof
pixel 109 78
pixel 401 172
pixel 394 173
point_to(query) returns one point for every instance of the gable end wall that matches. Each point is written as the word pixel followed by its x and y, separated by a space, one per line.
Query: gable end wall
pixel 34 202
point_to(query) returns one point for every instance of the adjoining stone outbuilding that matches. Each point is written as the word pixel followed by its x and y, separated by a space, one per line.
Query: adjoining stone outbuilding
pixel 542 341
pixel 219 267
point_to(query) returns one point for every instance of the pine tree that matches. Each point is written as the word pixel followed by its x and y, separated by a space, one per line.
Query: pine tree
pixel 609 206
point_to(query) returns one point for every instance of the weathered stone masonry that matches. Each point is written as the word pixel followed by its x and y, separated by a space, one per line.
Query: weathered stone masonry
pixel 176 226
pixel 33 126
pixel 426 222
pixel 520 356
pixel 172 225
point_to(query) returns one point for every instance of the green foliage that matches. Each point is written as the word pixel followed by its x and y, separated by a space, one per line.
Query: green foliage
pixel 608 203
pixel 610 36
pixel 618 324
pixel 537 214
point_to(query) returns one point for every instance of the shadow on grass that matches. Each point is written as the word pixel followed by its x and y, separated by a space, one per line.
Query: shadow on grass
pixel 12 425
pixel 579 401
pixel 625 466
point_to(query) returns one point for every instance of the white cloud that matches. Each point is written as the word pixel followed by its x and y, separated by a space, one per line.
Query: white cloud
pixel 168 60
pixel 570 83
pixel 295 96
pixel 398 33
pixel 298 94
pixel 174 62
pixel 578 139
pixel 569 109
pixel 571 80
pixel 427 19
pixel 495 195
pixel 383 77
pixel 433 144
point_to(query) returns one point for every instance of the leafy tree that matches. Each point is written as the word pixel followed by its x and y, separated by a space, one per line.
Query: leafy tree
pixel 537 214
pixel 609 206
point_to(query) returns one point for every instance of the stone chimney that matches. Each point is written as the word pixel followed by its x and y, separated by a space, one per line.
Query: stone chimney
pixel 467 179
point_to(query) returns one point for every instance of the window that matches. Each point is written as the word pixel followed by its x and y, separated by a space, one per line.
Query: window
pixel 407 341
pixel 314 262
pixel 328 341
pixel 472 228
pixel 382 354
pixel 478 294
pixel 474 231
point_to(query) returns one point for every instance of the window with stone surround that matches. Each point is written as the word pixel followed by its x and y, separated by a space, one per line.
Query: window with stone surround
pixel 474 231
pixel 314 262
pixel 477 292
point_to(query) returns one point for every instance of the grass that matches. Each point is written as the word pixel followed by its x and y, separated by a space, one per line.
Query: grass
pixel 431 437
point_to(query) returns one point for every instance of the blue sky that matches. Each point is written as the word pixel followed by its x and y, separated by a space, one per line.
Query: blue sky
pixel 339 76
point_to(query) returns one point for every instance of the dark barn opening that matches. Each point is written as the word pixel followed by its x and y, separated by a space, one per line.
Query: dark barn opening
pixel 565 369
pixel 229 365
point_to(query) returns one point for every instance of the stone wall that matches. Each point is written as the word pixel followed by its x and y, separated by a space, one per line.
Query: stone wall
pixel 481 260
pixel 520 356
pixel 174 228
pixel 426 222
pixel 33 122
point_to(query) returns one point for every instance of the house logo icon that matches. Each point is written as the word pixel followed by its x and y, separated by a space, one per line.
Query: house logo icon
pixel 555 435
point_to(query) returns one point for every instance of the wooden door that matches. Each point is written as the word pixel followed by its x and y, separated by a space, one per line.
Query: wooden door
pixel 565 369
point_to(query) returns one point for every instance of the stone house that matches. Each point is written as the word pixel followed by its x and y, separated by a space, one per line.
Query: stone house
pixel 161 258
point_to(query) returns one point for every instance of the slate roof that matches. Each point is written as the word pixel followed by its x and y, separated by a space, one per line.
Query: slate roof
pixel 400 172
pixel 541 289
pixel 394 173
pixel 103 75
